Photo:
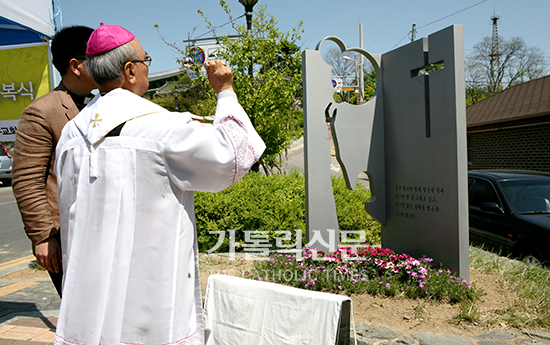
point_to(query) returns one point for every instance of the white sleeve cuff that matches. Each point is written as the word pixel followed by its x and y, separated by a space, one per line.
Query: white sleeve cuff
pixel 227 94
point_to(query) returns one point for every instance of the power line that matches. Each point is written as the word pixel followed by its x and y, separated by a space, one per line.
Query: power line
pixel 450 15
pixel 217 27
pixel 440 19
pixel 406 35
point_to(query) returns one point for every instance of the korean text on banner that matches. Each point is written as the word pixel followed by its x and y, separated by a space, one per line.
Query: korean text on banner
pixel 24 76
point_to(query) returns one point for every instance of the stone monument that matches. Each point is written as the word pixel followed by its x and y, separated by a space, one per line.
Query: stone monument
pixel 410 140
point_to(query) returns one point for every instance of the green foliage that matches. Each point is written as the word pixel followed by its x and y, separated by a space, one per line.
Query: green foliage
pixel 369 83
pixel 195 97
pixel 351 210
pixel 431 68
pixel 272 203
pixel 474 95
pixel 267 77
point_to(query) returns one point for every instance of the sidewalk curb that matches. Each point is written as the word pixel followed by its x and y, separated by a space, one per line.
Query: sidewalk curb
pixel 11 317
pixel 16 265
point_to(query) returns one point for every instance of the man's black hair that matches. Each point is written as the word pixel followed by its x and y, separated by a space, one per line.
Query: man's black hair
pixel 70 42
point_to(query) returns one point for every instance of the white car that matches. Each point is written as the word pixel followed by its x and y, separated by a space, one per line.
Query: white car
pixel 5 166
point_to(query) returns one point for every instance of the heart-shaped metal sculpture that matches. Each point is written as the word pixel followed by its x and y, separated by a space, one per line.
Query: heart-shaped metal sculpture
pixel 352 125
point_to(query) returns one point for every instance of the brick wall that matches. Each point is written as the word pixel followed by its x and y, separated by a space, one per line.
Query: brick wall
pixel 525 148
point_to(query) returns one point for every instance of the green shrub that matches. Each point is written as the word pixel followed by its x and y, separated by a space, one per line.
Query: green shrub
pixel 350 207
pixel 272 203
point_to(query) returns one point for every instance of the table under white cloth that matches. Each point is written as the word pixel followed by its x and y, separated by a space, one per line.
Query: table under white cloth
pixel 249 312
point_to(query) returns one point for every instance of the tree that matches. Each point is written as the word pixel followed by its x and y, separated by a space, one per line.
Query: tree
pixel 489 71
pixel 271 93
pixel 346 69
pixel 476 89
pixel 193 98
pixel 340 67
pixel 370 83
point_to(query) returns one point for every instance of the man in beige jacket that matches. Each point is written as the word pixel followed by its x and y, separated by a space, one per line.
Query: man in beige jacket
pixel 34 181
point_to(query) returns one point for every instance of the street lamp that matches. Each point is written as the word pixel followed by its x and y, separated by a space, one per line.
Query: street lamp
pixel 248 8
pixel 176 93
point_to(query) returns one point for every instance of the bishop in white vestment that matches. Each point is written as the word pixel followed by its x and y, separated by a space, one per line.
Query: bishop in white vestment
pixel 127 170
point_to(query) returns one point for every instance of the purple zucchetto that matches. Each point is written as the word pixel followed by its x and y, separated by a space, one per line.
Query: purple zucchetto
pixel 107 37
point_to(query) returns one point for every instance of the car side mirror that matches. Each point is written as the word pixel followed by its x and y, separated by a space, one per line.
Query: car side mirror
pixel 492 207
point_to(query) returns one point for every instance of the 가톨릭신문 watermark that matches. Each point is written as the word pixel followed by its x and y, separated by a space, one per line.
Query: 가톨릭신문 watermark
pixel 257 244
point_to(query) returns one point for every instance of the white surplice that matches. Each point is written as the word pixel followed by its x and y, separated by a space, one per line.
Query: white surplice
pixel 130 258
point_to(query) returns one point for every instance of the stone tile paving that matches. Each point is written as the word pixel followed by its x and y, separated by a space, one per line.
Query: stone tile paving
pixel 28 331
pixel 28 310
pixel 369 334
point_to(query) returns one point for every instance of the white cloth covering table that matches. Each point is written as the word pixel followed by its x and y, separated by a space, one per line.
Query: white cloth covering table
pixel 250 312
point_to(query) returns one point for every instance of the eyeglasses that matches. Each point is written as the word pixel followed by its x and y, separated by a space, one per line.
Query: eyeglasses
pixel 147 60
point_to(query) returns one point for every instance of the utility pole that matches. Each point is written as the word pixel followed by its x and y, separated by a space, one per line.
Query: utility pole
pixel 362 65
pixel 413 33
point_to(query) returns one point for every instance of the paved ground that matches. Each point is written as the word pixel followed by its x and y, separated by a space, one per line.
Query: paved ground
pixel 13 240
pixel 28 307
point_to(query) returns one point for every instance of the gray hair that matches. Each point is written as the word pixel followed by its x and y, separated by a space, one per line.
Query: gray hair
pixel 109 66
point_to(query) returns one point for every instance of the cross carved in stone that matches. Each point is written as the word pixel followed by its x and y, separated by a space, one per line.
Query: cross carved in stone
pixel 424 72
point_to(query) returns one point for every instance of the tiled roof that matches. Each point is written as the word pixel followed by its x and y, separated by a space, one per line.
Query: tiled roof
pixel 520 101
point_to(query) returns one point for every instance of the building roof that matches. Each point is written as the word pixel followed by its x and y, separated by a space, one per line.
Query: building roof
pixel 165 74
pixel 522 102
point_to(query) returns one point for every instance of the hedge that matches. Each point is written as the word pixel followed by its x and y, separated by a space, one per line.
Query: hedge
pixel 271 203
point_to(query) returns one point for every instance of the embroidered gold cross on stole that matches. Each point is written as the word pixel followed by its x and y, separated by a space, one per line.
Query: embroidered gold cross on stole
pixel 96 120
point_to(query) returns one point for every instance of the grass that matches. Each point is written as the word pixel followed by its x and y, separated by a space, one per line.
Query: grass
pixel 35 266
pixel 379 271
pixel 468 311
pixel 529 283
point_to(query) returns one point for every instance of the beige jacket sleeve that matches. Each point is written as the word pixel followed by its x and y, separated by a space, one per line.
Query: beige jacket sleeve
pixel 33 180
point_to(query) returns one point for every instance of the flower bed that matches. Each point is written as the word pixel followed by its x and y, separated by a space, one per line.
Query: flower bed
pixel 373 270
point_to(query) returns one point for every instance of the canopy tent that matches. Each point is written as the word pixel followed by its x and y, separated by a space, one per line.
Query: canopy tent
pixel 26 71
pixel 26 21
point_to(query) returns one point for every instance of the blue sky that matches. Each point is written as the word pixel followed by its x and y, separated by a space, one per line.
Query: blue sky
pixel 386 23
